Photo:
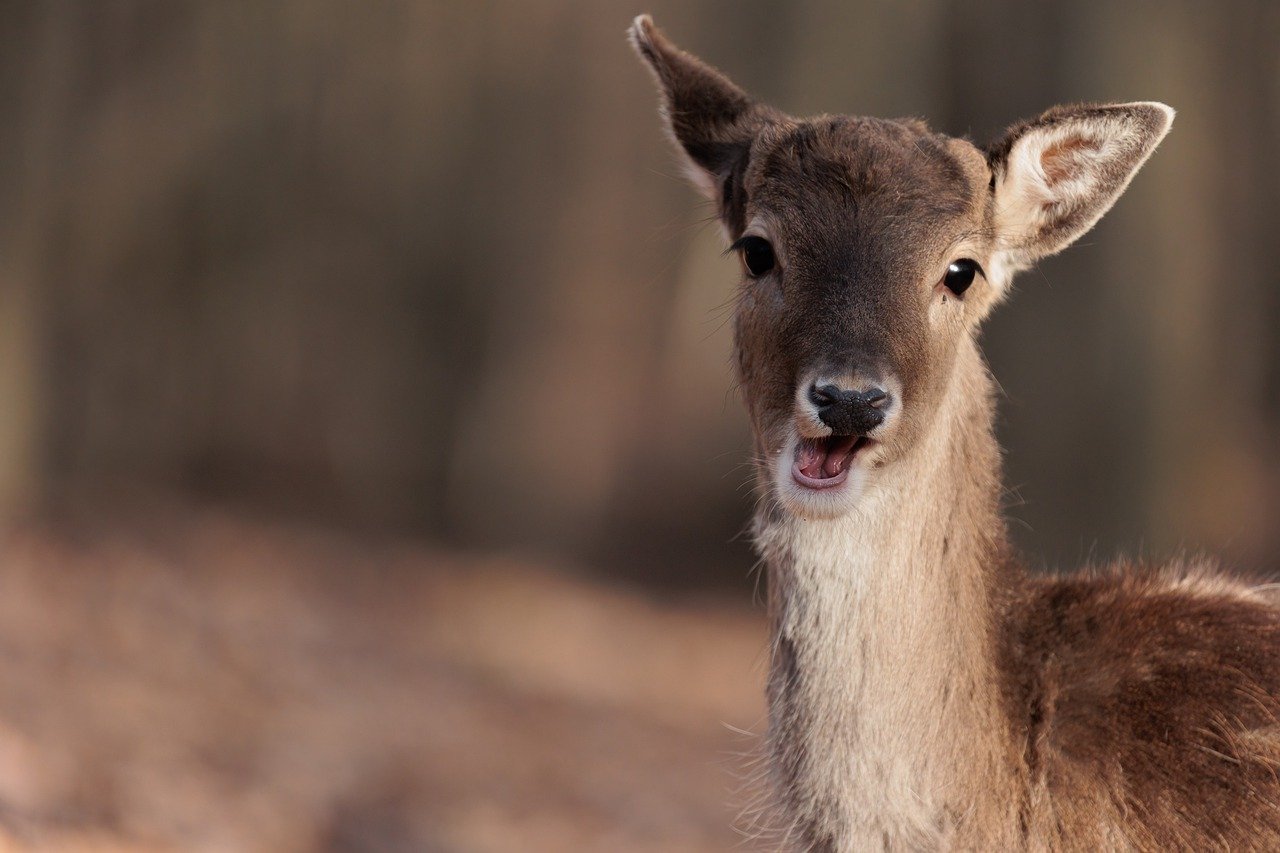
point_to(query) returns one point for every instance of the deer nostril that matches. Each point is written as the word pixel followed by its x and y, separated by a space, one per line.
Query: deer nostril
pixel 824 396
pixel 876 397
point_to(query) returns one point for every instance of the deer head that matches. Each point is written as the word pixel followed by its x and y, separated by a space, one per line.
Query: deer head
pixel 871 251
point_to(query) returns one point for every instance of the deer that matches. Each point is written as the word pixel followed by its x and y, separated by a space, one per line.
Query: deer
pixel 925 689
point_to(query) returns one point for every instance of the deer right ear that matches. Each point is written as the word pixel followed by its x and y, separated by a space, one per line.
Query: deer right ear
pixel 711 120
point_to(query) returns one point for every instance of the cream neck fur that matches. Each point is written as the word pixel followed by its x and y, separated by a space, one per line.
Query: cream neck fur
pixel 885 711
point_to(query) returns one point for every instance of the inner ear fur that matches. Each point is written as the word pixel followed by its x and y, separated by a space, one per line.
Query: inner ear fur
pixel 1056 175
pixel 712 121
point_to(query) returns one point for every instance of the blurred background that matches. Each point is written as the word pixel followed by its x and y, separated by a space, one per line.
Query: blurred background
pixel 371 473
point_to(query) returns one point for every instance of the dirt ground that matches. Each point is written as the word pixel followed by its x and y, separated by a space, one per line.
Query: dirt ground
pixel 205 682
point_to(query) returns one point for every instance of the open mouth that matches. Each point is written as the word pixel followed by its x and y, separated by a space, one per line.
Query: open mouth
pixel 823 463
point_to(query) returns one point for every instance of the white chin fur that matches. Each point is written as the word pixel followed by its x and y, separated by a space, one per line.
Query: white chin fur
pixel 816 503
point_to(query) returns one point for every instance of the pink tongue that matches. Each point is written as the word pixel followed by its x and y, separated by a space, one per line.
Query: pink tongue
pixel 811 457
pixel 821 460
pixel 838 454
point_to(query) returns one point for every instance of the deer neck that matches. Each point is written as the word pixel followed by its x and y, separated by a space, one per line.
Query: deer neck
pixel 886 724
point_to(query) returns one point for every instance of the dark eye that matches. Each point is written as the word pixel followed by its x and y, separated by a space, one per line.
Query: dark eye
pixel 757 254
pixel 960 275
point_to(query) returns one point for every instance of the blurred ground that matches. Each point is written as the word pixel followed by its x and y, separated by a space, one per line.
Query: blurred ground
pixel 195 680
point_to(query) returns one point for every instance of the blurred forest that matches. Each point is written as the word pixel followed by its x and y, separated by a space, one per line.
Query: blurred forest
pixel 351 354
pixel 428 267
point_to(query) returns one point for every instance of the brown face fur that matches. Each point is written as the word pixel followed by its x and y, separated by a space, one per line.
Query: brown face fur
pixel 864 216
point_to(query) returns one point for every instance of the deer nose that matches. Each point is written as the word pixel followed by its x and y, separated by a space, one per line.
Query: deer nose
pixel 846 411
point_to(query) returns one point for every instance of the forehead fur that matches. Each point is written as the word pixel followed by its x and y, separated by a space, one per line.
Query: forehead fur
pixel 860 171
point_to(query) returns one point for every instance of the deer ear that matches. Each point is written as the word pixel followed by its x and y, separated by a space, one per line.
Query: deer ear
pixel 711 120
pixel 1054 176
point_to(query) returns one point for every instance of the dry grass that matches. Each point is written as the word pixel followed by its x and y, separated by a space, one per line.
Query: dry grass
pixel 211 683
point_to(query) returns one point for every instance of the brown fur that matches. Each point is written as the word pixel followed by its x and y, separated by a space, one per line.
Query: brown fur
pixel 926 691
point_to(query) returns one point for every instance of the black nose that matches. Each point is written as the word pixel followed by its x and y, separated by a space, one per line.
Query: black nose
pixel 848 412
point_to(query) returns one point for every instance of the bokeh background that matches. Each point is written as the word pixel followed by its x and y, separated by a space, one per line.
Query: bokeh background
pixel 371 473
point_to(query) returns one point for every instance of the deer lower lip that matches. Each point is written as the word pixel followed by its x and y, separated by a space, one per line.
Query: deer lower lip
pixel 823 463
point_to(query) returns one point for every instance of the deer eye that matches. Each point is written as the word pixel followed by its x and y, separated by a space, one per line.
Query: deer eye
pixel 757 254
pixel 960 275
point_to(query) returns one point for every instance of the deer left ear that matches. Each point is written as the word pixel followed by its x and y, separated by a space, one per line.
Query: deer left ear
pixel 1054 176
